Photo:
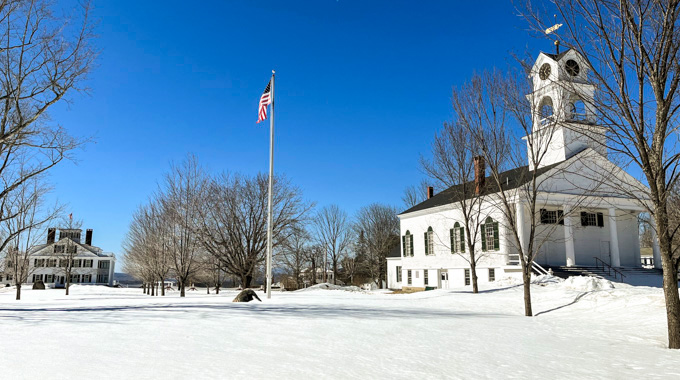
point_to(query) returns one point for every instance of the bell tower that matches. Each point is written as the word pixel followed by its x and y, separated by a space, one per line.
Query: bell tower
pixel 564 117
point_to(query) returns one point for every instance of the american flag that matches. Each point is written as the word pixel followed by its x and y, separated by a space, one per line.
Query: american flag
pixel 265 100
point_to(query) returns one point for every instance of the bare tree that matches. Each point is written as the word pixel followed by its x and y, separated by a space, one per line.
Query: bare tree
pixel 181 198
pixel 454 166
pixel 43 58
pixel 20 234
pixel 333 233
pixel 293 255
pixel 233 220
pixel 380 227
pixel 414 195
pixel 315 258
pixel 633 49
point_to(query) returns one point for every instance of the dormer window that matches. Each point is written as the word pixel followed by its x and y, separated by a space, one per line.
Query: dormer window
pixel 58 248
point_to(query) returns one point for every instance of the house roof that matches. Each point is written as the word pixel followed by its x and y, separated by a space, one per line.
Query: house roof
pixel 510 179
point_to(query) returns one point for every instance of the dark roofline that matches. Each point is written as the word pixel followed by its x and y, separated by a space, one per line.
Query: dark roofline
pixel 512 179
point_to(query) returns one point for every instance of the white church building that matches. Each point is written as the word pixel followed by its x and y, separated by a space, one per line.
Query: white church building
pixel 91 265
pixel 584 220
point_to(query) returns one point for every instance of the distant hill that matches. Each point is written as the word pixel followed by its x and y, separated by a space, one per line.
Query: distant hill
pixel 126 279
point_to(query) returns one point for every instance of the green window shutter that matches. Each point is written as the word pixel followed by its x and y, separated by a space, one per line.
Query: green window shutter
pixel 496 240
pixel 403 245
pixel 452 241
pixel 426 250
pixel 410 240
pixel 483 238
pixel 462 239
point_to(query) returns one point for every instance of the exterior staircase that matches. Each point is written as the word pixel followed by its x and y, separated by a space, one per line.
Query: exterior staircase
pixel 591 271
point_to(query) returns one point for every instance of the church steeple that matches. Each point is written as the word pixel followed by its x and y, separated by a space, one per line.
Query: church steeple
pixel 564 116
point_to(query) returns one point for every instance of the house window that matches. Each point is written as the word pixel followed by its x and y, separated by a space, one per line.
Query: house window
pixel 426 276
pixel 552 216
pixel 63 263
pixel 87 278
pixel 492 274
pixel 37 277
pixel 407 244
pixel 87 263
pixel 490 235
pixel 592 219
pixel 429 241
pixel 77 263
pixel 399 274
pixel 10 277
pixel 75 278
pixel 457 238
pixel 39 263
pixel 58 248
pixel 103 265
pixel 467 277
pixel 408 277
pixel 51 263
pixel 49 278
pixel 72 249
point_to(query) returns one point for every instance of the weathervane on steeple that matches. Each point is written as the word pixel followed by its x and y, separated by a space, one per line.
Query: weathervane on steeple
pixel 554 29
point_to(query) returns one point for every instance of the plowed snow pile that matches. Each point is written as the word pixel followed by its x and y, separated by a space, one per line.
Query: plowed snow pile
pixel 327 286
pixel 586 284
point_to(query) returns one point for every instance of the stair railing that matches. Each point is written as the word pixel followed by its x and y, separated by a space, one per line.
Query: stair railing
pixel 538 268
pixel 609 268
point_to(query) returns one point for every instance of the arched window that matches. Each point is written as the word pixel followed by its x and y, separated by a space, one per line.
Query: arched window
pixel 429 241
pixel 546 110
pixel 457 234
pixel 577 110
pixel 490 235
pixel 407 244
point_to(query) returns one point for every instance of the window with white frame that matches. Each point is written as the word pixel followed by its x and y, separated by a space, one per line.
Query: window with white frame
pixel 37 277
pixel 457 238
pixel 87 263
pixel 467 277
pixel 429 241
pixel 407 244
pixel 426 277
pixel 87 278
pixel 59 248
pixel 49 278
pixel 552 216
pixel 592 219
pixel 409 280
pixel 492 274
pixel 51 263
pixel 104 264
pixel 399 274
pixel 490 235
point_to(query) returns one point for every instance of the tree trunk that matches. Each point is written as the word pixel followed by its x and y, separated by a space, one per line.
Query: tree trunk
pixel 526 274
pixel 144 287
pixel 152 290
pixel 182 291
pixel 473 274
pixel 18 291
pixel 208 289
pixel 68 282
pixel 162 287
pixel 248 280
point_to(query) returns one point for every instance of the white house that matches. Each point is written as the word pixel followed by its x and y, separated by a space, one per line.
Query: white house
pixel 90 264
pixel 584 219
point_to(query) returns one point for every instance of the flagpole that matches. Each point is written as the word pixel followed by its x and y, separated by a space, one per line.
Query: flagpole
pixel 270 201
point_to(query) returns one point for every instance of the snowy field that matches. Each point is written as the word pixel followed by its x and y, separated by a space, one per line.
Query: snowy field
pixel 583 329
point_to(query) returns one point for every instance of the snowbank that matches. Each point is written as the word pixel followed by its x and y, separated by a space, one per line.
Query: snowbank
pixel 327 286
pixel 586 284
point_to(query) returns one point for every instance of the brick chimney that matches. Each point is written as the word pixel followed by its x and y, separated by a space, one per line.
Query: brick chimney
pixel 430 192
pixel 51 234
pixel 88 236
pixel 480 174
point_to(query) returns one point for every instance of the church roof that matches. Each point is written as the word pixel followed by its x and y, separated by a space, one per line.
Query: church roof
pixel 559 56
pixel 511 179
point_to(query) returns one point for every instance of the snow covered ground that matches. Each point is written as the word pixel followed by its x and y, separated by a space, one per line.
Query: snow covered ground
pixel 583 329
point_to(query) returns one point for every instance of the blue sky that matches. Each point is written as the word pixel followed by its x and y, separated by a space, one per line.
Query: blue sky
pixel 362 86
